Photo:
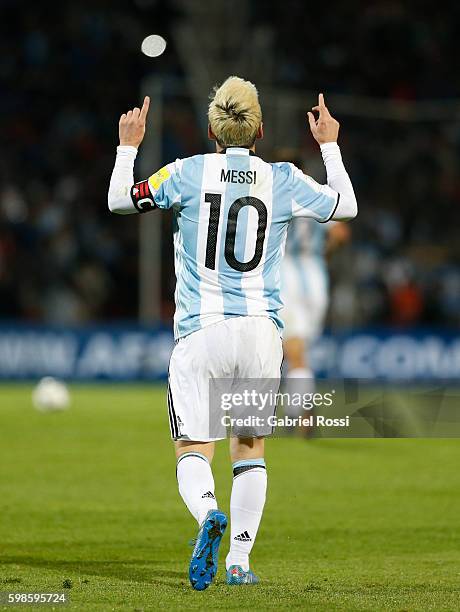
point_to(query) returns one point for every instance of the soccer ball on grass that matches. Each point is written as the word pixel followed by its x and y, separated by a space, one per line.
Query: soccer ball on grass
pixel 50 395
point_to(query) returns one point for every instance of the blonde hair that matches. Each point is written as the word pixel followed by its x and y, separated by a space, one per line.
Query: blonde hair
pixel 234 113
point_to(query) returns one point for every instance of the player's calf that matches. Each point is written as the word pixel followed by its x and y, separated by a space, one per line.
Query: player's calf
pixel 246 507
pixel 196 484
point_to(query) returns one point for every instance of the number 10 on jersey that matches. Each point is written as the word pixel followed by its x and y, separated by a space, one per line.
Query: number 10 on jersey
pixel 215 201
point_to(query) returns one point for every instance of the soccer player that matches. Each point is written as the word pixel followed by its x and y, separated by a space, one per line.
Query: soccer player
pixel 305 294
pixel 231 213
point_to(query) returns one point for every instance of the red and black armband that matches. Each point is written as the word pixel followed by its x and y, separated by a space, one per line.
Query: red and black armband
pixel 142 197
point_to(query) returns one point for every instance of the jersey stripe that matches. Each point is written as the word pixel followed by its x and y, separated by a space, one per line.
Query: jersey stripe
pixel 231 280
pixel 253 282
pixel 212 300
pixel 188 297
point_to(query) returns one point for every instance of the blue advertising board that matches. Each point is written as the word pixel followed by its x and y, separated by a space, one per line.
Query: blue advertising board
pixel 124 353
pixel 136 353
pixel 386 354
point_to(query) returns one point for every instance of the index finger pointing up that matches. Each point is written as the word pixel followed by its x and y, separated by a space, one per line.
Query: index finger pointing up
pixel 321 105
pixel 145 108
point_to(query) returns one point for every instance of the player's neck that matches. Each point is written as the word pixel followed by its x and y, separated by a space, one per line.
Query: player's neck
pixel 220 149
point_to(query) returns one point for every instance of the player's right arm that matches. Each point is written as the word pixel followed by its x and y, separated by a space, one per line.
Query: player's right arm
pixel 159 190
pixel 336 200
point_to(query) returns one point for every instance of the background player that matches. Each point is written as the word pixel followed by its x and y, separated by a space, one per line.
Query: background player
pixel 305 294
pixel 231 212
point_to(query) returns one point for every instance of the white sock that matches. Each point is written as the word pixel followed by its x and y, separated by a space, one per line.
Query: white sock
pixel 246 507
pixel 298 381
pixel 196 484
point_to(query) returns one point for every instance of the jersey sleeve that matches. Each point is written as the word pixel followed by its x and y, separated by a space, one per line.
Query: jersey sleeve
pixel 310 199
pixel 160 190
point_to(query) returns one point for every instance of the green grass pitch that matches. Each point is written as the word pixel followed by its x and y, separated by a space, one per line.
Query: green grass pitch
pixel 89 496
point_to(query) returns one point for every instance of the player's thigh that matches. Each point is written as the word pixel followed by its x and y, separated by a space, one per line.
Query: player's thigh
pixel 257 379
pixel 259 350
pixel 196 359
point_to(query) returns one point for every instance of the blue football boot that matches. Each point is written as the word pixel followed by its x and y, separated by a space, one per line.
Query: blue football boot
pixel 237 575
pixel 203 564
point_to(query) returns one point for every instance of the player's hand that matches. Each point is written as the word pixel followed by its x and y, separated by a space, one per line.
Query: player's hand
pixel 325 128
pixel 131 128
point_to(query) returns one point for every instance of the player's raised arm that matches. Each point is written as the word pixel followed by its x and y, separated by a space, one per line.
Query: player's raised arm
pixel 131 130
pixel 325 130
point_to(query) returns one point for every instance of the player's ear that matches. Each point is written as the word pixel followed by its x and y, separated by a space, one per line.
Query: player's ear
pixel 211 133
pixel 260 131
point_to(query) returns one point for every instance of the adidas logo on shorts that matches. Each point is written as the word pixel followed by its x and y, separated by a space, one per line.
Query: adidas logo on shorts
pixel 208 494
pixel 243 537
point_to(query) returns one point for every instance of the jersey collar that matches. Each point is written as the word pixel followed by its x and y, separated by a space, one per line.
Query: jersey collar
pixel 237 151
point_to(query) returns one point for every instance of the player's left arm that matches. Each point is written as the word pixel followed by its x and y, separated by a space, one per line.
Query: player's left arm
pixel 161 190
pixel 325 131
pixel 336 200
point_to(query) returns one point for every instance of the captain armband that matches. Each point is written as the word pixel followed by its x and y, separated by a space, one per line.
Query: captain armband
pixel 142 197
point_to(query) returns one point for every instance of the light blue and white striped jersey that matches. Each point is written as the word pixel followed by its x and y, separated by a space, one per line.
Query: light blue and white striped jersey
pixel 306 238
pixel 304 262
pixel 231 214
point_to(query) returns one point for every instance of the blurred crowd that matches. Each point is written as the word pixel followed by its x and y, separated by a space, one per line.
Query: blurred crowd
pixel 390 48
pixel 403 266
pixel 65 78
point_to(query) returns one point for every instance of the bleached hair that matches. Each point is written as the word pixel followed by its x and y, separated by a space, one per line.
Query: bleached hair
pixel 234 113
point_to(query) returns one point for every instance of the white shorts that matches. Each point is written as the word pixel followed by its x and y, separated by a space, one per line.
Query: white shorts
pixel 305 295
pixel 237 348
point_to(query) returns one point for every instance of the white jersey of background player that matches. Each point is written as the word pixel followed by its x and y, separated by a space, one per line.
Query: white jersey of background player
pixel 305 292
pixel 231 212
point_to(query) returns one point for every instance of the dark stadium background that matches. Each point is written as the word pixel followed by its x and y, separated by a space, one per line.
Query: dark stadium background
pixel 69 69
